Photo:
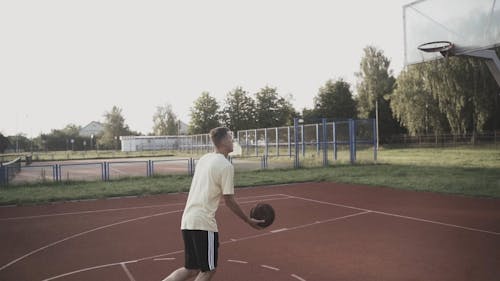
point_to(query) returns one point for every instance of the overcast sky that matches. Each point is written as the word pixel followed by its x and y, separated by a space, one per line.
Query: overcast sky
pixel 68 62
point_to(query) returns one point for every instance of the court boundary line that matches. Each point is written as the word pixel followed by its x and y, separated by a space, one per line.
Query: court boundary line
pixel 116 209
pixel 109 226
pixel 286 196
pixel 129 274
pixel 222 243
pixel 400 216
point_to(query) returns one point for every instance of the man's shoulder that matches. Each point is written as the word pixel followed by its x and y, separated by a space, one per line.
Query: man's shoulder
pixel 215 157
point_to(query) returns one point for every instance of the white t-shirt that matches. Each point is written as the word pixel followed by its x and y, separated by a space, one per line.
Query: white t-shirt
pixel 213 177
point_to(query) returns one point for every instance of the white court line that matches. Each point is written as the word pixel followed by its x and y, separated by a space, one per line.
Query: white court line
pixel 164 259
pixel 296 227
pixel 104 227
pixel 130 276
pixel 237 261
pixel 279 230
pixel 400 216
pixel 298 277
pixel 83 233
pixel 92 212
pixel 82 270
pixel 270 267
pixel 123 209
pixel 326 203
pixel 182 251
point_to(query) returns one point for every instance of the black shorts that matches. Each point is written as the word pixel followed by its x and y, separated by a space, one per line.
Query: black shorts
pixel 200 249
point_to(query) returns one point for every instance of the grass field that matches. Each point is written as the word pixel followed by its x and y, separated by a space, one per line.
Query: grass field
pixel 462 171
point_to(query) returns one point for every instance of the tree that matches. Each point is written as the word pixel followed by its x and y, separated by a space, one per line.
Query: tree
pixel 165 121
pixel 335 100
pixel 239 110
pixel 457 94
pixel 414 105
pixel 204 114
pixel 114 127
pixel 72 130
pixel 310 116
pixel 4 143
pixel 273 110
pixel 464 90
pixel 62 139
pixel 374 89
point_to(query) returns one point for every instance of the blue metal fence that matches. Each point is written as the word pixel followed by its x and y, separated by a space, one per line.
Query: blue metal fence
pixel 283 147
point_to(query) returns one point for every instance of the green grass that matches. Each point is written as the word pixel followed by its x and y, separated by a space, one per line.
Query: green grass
pixel 461 171
pixel 481 157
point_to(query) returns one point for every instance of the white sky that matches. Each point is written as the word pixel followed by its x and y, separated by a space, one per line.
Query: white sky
pixel 69 61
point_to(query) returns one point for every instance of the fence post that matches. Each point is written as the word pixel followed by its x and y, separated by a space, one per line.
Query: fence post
pixel 302 138
pixel 317 139
pixel 334 135
pixel 55 170
pixel 266 142
pixel 2 174
pixel 150 168
pixel 103 177
pixel 289 142
pixel 277 138
pixel 325 143
pixel 375 140
pixel 256 143
pixel 246 142
pixel 296 142
pixel 352 141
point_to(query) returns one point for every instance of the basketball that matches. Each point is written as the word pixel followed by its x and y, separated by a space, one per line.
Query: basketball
pixel 263 211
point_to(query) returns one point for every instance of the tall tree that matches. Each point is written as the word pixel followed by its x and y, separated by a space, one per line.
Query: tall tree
pixel 335 100
pixel 239 110
pixel 456 95
pixel 72 130
pixel 414 105
pixel 114 127
pixel 165 121
pixel 374 89
pixel 204 114
pixel 464 89
pixel 272 110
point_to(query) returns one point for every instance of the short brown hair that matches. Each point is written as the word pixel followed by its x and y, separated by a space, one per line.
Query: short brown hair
pixel 217 134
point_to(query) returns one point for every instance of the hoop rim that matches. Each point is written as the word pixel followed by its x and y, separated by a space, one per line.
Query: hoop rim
pixel 444 48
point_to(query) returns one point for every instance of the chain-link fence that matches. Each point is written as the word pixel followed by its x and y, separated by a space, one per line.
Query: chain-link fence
pixel 312 144
pixel 301 145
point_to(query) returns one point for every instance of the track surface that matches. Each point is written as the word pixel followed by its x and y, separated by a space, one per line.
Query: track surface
pixel 323 231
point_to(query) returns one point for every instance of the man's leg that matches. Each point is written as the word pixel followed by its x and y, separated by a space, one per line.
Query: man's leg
pixel 205 276
pixel 182 274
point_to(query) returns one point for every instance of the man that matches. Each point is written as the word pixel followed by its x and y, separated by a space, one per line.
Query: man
pixel 213 179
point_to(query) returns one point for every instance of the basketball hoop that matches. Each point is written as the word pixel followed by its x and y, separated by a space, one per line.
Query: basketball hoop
pixel 444 47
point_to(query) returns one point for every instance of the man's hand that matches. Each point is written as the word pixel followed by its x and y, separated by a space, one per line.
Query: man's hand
pixel 255 223
pixel 233 205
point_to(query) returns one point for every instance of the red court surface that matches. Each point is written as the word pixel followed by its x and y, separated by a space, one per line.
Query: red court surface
pixel 322 231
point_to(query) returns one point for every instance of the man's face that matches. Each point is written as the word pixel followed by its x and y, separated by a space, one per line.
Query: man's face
pixel 226 145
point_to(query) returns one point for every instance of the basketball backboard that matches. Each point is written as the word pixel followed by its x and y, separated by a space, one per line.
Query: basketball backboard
pixel 470 25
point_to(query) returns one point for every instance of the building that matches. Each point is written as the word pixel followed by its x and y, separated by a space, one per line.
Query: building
pixel 94 128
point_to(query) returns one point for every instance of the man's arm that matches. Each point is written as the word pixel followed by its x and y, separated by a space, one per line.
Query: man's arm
pixel 233 205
